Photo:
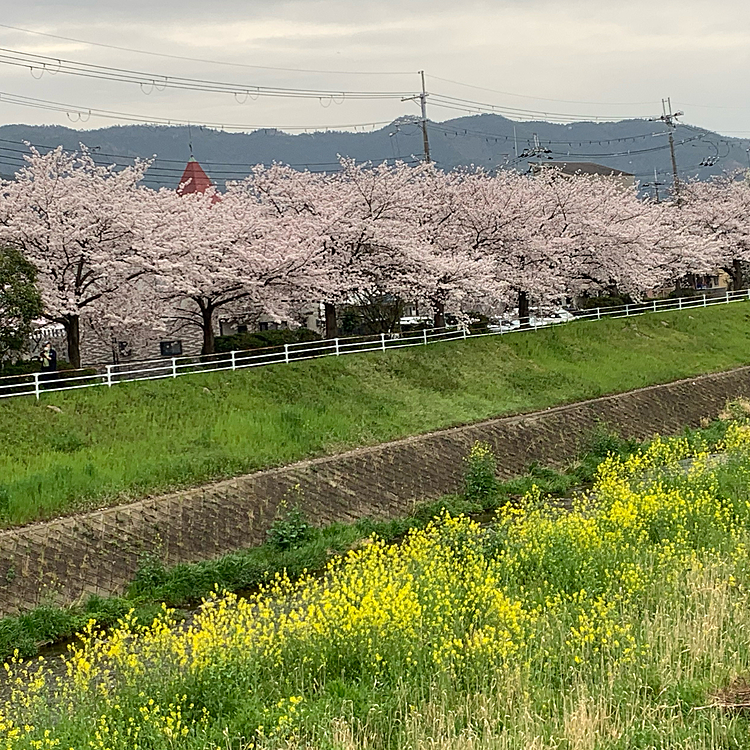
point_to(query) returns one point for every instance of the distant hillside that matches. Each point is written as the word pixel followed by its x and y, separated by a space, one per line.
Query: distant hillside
pixel 635 146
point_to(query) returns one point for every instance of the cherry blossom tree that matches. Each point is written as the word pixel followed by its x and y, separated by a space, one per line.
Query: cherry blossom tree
pixel 719 211
pixel 453 268
pixel 613 236
pixel 128 258
pixel 240 254
pixel 518 222
pixel 369 235
pixel 80 225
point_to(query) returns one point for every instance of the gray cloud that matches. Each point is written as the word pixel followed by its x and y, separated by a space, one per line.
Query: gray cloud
pixel 585 51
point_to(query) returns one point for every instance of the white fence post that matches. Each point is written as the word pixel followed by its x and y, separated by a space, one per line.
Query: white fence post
pixel 108 375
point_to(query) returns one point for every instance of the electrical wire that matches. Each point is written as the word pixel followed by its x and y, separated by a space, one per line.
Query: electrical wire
pixel 169 175
pixel 150 82
pixel 481 134
pixel 631 152
pixel 470 105
pixel 97 156
pixel 83 114
pixel 518 116
pixel 539 98
pixel 157 81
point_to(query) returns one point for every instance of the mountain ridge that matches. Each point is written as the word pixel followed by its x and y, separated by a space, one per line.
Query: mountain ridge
pixel 486 140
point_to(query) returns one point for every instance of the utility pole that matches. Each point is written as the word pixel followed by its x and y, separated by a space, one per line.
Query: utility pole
pixel 669 118
pixel 423 106
pixel 655 185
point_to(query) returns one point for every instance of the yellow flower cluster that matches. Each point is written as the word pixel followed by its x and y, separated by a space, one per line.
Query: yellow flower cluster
pixel 541 588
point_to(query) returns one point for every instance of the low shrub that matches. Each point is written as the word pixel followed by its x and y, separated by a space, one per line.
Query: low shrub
pixel 480 482
pixel 291 529
pixel 264 339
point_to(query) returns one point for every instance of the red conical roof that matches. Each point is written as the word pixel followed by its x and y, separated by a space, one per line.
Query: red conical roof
pixel 194 179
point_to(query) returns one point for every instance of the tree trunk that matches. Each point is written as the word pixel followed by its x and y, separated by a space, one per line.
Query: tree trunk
pixel 72 325
pixel 523 309
pixel 439 315
pixel 736 274
pixel 209 343
pixel 330 314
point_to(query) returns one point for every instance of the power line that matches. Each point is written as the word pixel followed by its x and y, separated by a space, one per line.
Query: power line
pixel 470 105
pixel 149 82
pixel 83 114
pixel 205 61
pixel 459 131
pixel 541 98
pixel 518 116
pixel 631 152
pixel 157 81
pixel 97 155
pixel 168 174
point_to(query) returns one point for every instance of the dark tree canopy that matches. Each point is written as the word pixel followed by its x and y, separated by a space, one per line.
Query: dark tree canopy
pixel 20 302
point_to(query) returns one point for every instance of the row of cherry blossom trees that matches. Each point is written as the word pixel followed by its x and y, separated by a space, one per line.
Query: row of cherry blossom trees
pixel 125 257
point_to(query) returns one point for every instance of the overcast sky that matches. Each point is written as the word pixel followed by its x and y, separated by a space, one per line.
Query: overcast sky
pixel 601 57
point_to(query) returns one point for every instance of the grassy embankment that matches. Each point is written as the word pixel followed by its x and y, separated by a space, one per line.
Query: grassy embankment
pixel 110 445
pixel 620 624
pixel 294 546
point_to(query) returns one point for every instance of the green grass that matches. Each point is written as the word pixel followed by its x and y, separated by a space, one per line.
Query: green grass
pixel 111 445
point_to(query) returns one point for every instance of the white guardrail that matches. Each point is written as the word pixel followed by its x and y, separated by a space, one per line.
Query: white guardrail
pixel 35 384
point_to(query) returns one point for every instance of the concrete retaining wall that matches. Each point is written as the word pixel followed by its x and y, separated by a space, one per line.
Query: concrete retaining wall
pixel 99 552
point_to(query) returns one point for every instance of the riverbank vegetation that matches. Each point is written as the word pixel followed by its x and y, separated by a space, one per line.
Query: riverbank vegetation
pixel 619 623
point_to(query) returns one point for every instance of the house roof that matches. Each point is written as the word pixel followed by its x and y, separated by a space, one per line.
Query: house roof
pixel 194 179
pixel 583 167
